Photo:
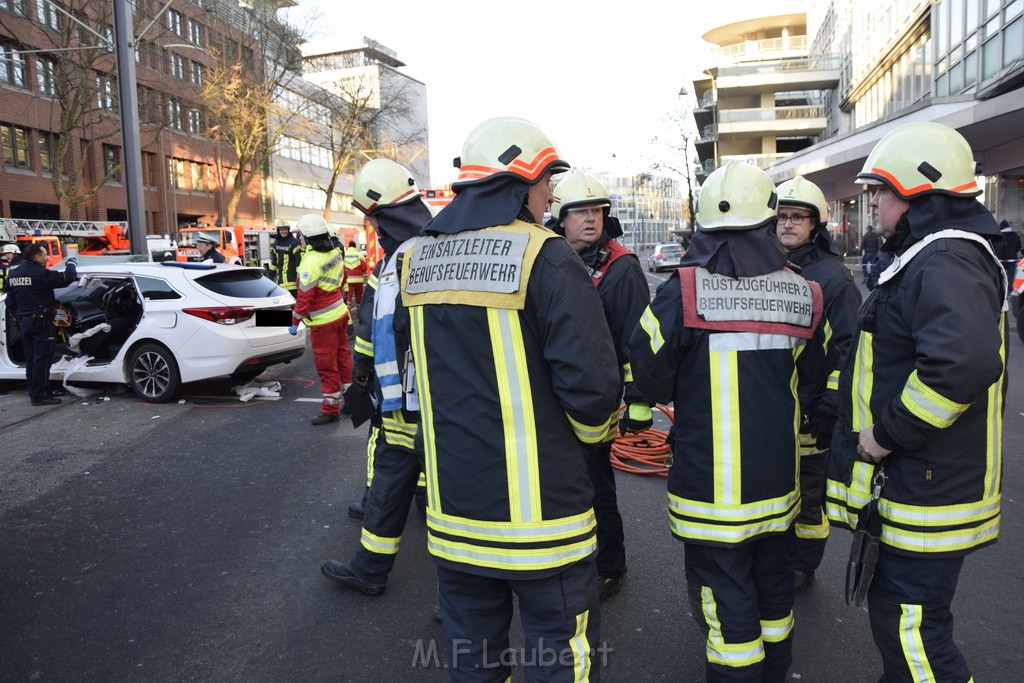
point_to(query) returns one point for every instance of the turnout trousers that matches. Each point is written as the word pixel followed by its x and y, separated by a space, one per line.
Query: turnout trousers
pixel 37 345
pixel 332 360
pixel 561 622
pixel 742 600
pixel 908 604
pixel 811 525
pixel 396 472
pixel 611 547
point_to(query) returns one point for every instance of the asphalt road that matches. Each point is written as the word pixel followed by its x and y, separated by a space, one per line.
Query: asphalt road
pixel 183 542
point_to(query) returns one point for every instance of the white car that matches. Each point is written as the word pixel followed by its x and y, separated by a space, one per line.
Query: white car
pixel 156 326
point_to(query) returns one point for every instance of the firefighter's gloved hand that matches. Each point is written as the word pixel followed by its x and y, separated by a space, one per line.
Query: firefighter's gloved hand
pixel 360 378
pixel 822 425
pixel 636 418
pixel 71 261
pixel 293 329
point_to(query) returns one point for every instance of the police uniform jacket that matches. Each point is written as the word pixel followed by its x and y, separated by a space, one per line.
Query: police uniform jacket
pixel 927 370
pixel 284 261
pixel 515 372
pixel 620 282
pixel 30 287
pixel 731 352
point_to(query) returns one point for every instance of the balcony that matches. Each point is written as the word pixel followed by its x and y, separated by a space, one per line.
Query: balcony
pixel 777 121
pixel 762 161
pixel 771 48
pixel 806 73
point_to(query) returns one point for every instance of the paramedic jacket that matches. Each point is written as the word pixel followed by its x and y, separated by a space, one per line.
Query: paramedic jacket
pixel 515 371
pixel 734 383
pixel 927 370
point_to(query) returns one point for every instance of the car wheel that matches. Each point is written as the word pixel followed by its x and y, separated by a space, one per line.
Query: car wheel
pixel 153 373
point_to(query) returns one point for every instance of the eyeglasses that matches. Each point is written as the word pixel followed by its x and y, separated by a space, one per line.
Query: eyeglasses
pixel 796 219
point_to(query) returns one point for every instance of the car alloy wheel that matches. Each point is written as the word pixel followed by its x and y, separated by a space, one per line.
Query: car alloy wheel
pixel 153 373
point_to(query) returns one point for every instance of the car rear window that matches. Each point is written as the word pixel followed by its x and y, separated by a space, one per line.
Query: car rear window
pixel 243 283
pixel 672 251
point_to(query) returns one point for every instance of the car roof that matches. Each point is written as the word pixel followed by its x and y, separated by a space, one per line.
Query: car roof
pixel 156 269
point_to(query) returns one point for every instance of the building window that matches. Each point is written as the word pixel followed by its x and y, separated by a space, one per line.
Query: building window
pixel 176 167
pixel 12 68
pixel 174 119
pixel 198 3
pixel 13 6
pixel 48 16
pixel 176 22
pixel 178 66
pixel 106 95
pixel 195 121
pixel 45 77
pixel 48 151
pixel 15 142
pixel 196 176
pixel 112 162
pixel 197 73
pixel 196 34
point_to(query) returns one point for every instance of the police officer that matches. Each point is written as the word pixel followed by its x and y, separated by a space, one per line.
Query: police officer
pixel 803 231
pixel 724 338
pixel 9 255
pixel 387 194
pixel 319 304
pixel 355 272
pixel 921 397
pixel 580 213
pixel 516 376
pixel 30 297
pixel 284 259
pixel 207 245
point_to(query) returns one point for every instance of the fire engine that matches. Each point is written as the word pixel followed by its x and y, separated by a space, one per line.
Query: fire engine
pixel 437 199
pixel 67 238
pixel 247 245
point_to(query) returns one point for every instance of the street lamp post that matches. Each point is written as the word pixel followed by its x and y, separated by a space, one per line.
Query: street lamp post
pixel 131 148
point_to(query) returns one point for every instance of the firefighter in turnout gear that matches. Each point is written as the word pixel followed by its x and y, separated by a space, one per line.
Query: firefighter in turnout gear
pixel 385 192
pixel 284 259
pixel 580 213
pixel 803 231
pixel 9 256
pixel 516 377
pixel 319 304
pixel 921 399
pixel 729 337
pixel 355 272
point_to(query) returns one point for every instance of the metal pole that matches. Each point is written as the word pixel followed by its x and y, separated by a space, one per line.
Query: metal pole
pixel 131 148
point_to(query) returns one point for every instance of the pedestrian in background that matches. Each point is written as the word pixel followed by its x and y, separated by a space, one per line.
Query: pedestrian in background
pixel 803 231
pixel 30 298
pixel 580 213
pixel 1008 251
pixel 320 306
pixel 728 337
pixel 285 257
pixel 918 444
pixel 516 377
pixel 386 193
pixel 869 255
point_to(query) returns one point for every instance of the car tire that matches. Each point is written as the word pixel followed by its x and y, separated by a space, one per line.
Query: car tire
pixel 153 373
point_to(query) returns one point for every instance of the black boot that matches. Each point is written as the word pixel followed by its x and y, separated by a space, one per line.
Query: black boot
pixel 324 418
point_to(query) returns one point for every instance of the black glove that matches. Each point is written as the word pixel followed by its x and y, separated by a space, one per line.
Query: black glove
pixel 636 418
pixel 71 261
pixel 822 425
pixel 361 378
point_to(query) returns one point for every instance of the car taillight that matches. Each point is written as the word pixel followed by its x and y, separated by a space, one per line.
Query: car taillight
pixel 224 315
pixel 660 256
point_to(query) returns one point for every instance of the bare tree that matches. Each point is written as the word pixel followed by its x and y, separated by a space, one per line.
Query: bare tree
pixel 675 154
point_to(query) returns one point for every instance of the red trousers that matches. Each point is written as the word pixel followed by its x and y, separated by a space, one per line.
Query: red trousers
pixel 332 360
pixel 355 292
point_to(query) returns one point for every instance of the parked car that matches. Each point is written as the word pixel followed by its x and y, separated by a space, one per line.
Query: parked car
pixel 156 326
pixel 664 256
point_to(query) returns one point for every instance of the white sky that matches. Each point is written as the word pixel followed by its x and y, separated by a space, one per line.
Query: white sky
pixel 598 77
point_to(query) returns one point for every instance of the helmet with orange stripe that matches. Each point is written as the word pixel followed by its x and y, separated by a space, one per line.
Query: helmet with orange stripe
pixel 922 158
pixel 506 146
pixel 380 183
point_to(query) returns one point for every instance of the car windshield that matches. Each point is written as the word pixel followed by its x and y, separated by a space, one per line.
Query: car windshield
pixel 242 283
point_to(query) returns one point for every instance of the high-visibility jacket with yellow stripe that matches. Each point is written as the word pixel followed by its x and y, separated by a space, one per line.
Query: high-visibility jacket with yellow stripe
pixel 355 265
pixel 515 373
pixel 927 371
pixel 318 300
pixel 731 353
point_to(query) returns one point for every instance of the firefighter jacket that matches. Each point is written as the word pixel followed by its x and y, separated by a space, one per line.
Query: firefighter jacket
pixel 927 370
pixel 514 368
pixel 620 282
pixel 5 270
pixel 284 261
pixel 30 287
pixel 841 299
pixel 731 353
pixel 363 349
pixel 321 282
pixel 355 265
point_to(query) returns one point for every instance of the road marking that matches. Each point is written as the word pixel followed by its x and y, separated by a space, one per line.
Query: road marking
pixel 310 400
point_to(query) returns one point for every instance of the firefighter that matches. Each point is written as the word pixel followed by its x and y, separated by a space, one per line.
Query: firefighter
pixel 921 398
pixel 284 259
pixel 580 213
pixel 386 193
pixel 207 245
pixel 727 337
pixel 803 231
pixel 9 256
pixel 319 304
pixel 30 298
pixel 355 272
pixel 516 377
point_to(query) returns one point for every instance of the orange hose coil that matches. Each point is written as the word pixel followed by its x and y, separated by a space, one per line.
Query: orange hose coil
pixel 643 453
